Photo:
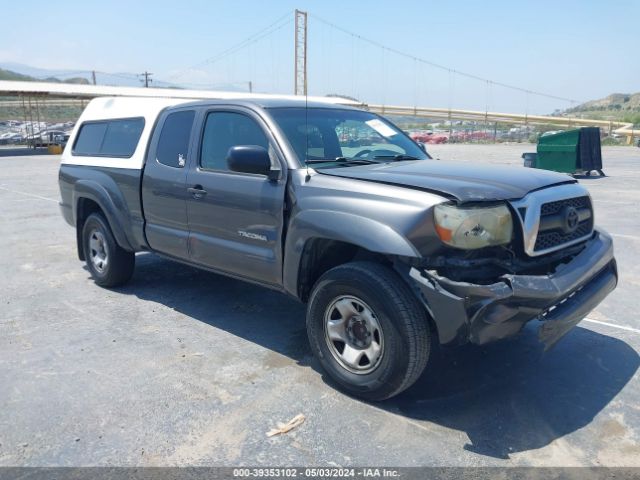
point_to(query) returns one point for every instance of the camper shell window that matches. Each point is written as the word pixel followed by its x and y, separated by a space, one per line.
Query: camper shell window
pixel 109 138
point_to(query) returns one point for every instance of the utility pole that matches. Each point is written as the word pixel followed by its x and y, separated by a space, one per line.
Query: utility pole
pixel 300 60
pixel 250 86
pixel 93 76
pixel 147 78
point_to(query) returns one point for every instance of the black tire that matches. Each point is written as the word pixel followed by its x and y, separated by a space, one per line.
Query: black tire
pixel 400 315
pixel 119 265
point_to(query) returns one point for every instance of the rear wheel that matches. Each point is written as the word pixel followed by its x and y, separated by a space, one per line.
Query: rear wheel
pixel 368 330
pixel 109 264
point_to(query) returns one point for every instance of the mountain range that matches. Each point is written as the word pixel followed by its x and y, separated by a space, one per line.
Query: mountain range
pixel 18 71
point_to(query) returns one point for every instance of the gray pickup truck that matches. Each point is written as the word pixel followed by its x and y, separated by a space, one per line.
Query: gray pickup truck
pixel 393 252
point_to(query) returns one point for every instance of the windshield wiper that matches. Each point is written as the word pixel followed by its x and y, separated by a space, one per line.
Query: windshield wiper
pixel 397 158
pixel 342 160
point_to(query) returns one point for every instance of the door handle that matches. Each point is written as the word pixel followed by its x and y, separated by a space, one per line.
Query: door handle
pixel 197 191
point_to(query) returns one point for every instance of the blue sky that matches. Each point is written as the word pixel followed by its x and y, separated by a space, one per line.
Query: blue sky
pixel 574 49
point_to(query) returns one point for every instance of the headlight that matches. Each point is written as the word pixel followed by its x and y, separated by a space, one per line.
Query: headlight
pixel 473 227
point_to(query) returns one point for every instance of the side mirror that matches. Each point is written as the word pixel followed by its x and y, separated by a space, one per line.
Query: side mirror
pixel 251 159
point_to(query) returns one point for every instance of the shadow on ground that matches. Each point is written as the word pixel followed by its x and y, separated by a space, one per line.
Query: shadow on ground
pixel 593 176
pixel 507 397
pixel 512 396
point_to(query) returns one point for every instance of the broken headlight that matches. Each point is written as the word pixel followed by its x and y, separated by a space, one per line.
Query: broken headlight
pixel 473 227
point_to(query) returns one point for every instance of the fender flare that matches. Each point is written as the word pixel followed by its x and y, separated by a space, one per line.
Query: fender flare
pixel 114 209
pixel 345 227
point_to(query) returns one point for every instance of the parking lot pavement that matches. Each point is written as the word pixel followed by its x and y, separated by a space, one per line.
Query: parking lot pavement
pixel 184 367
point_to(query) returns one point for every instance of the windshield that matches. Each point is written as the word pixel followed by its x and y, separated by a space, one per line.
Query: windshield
pixel 333 136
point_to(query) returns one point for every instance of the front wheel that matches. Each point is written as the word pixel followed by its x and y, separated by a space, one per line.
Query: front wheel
pixel 368 330
pixel 109 264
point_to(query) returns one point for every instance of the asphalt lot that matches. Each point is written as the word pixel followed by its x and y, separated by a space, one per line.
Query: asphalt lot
pixel 184 367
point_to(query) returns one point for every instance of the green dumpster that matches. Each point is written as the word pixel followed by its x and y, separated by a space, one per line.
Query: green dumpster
pixel 574 151
pixel 558 152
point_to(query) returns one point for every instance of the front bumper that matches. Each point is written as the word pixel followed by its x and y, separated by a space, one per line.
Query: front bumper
pixel 466 312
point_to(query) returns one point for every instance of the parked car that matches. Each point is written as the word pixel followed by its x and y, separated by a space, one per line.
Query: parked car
pixel 430 137
pixel 392 252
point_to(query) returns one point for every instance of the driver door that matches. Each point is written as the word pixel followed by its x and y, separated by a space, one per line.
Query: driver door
pixel 235 219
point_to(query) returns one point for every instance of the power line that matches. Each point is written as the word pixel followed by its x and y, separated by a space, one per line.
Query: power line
pixel 61 73
pixel 240 47
pixel 248 84
pixel 260 34
pixel 126 76
pixel 286 19
pixel 440 66
pixel 90 74
pixel 93 74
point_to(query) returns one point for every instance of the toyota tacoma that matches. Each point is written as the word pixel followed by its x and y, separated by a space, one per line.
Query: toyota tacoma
pixel 393 252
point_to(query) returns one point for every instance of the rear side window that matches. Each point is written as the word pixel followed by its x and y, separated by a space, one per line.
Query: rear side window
pixel 173 146
pixel 90 138
pixel 109 138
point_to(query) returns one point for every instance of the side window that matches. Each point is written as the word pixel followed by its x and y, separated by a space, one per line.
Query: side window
pixel 121 137
pixel 90 138
pixel 223 130
pixel 109 138
pixel 173 146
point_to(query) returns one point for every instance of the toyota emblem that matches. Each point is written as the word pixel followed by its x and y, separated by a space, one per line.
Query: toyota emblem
pixel 571 219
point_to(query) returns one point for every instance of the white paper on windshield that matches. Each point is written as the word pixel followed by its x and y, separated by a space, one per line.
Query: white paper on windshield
pixel 381 127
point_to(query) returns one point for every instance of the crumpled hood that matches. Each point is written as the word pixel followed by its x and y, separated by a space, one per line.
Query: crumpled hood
pixel 463 181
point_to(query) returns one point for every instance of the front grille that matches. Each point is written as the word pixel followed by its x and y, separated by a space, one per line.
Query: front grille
pixel 552 239
pixel 550 235
pixel 552 208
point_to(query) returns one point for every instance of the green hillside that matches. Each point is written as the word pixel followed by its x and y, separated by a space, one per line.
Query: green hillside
pixel 48 113
pixel 9 75
pixel 623 107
